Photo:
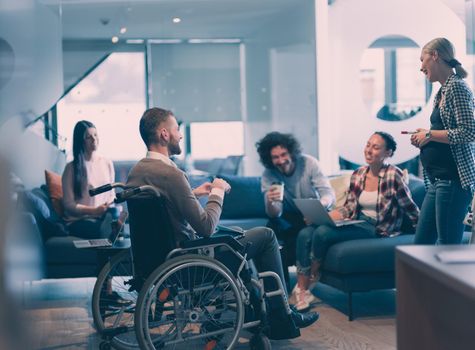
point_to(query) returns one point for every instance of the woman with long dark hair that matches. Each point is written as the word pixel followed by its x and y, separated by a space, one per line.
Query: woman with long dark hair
pixel 87 170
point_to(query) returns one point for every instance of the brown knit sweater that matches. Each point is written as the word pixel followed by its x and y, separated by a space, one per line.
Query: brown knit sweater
pixel 187 216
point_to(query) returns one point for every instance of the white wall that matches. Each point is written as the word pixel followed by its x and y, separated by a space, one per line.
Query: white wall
pixel 31 82
pixel 35 80
pixel 280 76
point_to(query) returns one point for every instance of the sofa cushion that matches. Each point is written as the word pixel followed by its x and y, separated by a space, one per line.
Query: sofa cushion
pixel 340 185
pixel 49 224
pixel 245 200
pixel 55 191
pixel 364 255
pixel 418 190
pixel 61 250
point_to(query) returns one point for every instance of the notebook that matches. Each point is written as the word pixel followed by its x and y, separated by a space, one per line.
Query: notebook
pixel 117 227
pixel 315 212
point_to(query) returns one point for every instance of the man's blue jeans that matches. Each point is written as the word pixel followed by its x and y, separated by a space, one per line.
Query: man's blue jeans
pixel 442 213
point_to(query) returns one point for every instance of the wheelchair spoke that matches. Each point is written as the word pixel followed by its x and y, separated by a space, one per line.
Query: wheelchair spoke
pixel 202 313
pixel 113 303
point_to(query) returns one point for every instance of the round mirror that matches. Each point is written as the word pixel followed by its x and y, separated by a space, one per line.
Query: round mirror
pixel 393 88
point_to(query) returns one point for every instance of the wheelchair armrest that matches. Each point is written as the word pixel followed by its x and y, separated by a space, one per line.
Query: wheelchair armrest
pixel 203 242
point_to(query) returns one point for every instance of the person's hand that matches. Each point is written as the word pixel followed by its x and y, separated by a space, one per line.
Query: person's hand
pixel 335 215
pixel 222 184
pixel 101 209
pixel 419 139
pixel 203 189
pixel 273 194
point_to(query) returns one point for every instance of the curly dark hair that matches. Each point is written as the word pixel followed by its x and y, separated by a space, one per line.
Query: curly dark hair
pixel 391 144
pixel 274 139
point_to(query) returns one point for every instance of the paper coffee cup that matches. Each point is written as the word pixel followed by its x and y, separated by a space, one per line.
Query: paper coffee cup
pixel 278 186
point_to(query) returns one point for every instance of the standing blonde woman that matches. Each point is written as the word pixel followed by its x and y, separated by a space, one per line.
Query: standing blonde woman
pixel 447 148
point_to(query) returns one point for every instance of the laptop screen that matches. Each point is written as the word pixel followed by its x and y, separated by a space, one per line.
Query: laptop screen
pixel 117 226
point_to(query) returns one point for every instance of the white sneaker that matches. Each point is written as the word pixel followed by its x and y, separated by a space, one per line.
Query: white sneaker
pixel 310 298
pixel 302 298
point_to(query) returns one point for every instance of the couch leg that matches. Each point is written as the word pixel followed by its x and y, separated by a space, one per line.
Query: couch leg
pixel 350 306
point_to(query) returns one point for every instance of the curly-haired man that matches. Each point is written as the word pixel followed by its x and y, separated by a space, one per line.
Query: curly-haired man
pixel 301 176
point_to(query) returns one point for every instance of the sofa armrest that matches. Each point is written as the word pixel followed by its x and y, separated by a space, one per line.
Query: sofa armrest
pixel 24 252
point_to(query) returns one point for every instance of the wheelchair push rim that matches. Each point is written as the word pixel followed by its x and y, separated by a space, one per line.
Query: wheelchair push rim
pixel 113 305
pixel 191 302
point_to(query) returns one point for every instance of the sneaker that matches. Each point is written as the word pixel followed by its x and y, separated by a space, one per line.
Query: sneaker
pixel 298 297
pixel 302 299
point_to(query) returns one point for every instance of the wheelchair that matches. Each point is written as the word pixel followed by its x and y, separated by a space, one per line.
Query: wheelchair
pixel 179 297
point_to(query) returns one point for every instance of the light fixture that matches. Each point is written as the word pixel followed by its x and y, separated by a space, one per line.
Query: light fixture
pixel 165 41
pixel 134 41
pixel 115 39
pixel 176 19
pixel 123 30
pixel 214 41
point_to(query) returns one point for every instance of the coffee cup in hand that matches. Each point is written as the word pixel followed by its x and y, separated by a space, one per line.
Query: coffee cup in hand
pixel 278 187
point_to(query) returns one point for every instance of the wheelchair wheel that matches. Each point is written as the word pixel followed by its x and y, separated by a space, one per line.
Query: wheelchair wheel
pixel 113 305
pixel 260 342
pixel 189 302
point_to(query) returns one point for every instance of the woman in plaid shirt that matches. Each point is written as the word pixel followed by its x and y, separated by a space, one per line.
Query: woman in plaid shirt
pixel 377 195
pixel 447 152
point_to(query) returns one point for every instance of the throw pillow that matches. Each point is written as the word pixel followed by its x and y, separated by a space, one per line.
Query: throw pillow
pixel 55 190
pixel 340 185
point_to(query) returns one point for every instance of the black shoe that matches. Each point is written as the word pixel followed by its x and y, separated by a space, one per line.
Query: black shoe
pixel 281 325
pixel 304 319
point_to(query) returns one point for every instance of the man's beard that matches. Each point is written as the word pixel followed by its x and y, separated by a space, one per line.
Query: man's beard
pixel 174 149
pixel 284 168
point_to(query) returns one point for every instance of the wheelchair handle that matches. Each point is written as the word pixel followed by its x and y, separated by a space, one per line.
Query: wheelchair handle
pixel 124 195
pixel 105 188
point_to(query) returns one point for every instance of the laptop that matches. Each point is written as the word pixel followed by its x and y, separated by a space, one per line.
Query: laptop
pixel 315 212
pixel 117 227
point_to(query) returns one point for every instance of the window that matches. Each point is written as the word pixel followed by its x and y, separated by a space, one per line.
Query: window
pixel 112 97
pixel 216 139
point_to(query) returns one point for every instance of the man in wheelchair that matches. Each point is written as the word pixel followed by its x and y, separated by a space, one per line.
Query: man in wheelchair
pixel 189 220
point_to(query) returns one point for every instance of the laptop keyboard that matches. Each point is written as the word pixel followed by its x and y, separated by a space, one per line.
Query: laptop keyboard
pixel 99 242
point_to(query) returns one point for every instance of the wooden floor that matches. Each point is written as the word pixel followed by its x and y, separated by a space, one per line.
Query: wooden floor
pixel 59 311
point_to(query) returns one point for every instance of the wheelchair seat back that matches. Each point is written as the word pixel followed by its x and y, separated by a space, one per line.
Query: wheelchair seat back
pixel 151 234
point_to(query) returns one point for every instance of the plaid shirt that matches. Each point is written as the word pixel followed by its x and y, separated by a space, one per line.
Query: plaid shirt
pixel 393 201
pixel 456 111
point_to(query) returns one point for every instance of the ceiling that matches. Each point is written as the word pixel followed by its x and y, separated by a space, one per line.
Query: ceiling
pixel 102 19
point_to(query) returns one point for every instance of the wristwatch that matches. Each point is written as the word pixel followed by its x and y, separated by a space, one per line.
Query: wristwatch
pixel 428 135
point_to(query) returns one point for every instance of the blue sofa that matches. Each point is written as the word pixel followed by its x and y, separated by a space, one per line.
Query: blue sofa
pixel 60 258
